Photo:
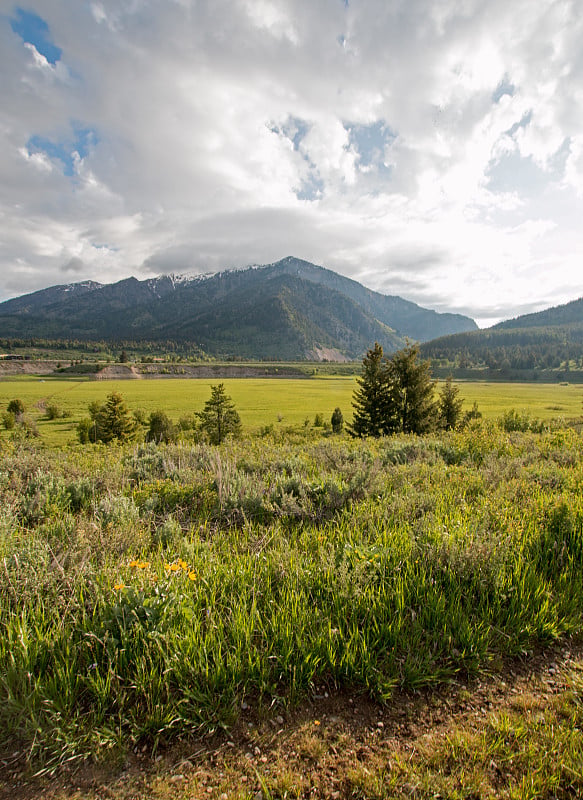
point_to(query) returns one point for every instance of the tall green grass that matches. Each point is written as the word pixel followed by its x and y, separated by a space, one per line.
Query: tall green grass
pixel 146 591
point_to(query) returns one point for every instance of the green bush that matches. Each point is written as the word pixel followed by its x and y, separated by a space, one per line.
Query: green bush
pixel 9 420
pixel 16 407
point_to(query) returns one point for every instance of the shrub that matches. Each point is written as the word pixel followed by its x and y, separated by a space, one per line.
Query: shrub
pixel 52 411
pixel 147 462
pixel 513 420
pixel 16 407
pixel 84 427
pixel 337 420
pixel 8 420
pixel 26 428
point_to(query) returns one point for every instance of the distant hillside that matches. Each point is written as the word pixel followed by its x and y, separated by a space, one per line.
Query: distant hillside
pixel 548 340
pixel 567 314
pixel 288 310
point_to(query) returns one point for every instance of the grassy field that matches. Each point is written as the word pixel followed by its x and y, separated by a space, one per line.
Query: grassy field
pixel 261 402
pixel 147 592
pixel 151 594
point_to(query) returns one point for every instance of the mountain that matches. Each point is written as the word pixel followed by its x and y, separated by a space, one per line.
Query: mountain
pixel 288 310
pixel 38 301
pixel 547 340
pixel 406 318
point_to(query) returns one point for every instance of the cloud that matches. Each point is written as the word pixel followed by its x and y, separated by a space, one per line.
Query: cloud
pixel 435 147
pixel 74 265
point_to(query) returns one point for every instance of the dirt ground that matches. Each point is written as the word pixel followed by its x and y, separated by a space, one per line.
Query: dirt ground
pixel 317 751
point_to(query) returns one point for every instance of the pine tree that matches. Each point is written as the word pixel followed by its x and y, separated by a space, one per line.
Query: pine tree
pixel 450 405
pixel 372 407
pixel 219 417
pixel 412 391
pixel 161 428
pixel 112 421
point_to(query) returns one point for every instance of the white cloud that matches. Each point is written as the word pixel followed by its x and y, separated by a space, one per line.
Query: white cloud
pixel 195 161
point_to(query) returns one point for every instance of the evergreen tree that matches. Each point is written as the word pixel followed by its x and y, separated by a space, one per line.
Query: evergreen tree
pixel 161 429
pixel 113 420
pixel 219 417
pixel 373 414
pixel 450 405
pixel 413 389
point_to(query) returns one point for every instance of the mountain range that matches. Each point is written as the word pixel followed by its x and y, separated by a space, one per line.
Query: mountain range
pixel 289 310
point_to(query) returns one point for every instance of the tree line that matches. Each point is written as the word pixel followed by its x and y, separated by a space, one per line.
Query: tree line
pixel 113 420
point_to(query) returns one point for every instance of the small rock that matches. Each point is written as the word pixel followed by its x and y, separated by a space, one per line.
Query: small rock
pixel 176 778
pixel 244 706
pixel 380 724
pixel 279 719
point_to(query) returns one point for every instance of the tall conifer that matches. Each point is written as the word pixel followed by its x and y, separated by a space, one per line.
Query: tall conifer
pixel 372 409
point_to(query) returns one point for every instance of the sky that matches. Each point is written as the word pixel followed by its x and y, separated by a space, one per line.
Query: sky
pixel 431 149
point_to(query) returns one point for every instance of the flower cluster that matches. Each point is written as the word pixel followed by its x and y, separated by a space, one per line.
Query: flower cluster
pixel 180 566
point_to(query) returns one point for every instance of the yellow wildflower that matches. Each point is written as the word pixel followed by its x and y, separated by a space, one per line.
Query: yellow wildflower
pixel 143 565
pixel 119 586
pixel 134 563
pixel 192 576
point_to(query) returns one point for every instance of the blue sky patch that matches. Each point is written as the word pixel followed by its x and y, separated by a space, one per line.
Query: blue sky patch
pixel 514 173
pixel 33 29
pixel 312 187
pixel 64 151
pixel 504 87
pixel 294 129
pixel 370 141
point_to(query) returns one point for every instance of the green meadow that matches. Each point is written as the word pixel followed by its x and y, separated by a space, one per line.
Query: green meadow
pixel 149 592
pixel 262 402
